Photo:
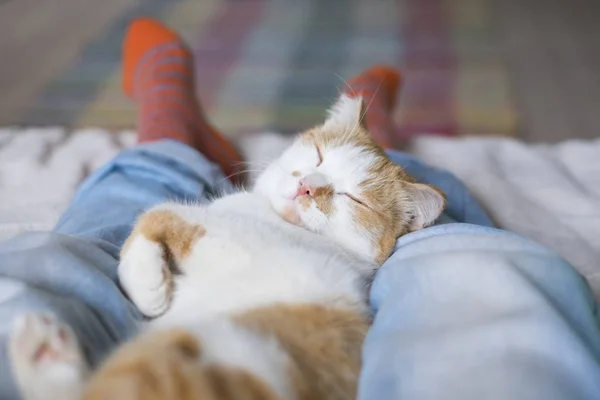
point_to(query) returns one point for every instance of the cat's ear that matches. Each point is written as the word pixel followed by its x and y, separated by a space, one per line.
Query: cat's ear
pixel 347 112
pixel 426 203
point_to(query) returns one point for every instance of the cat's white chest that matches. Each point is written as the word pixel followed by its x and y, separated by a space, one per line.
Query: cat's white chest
pixel 245 261
pixel 223 254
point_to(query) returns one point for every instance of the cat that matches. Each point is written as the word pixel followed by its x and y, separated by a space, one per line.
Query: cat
pixel 259 294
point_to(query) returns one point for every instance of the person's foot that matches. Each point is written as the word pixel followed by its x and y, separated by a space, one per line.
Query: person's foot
pixel 378 87
pixel 158 73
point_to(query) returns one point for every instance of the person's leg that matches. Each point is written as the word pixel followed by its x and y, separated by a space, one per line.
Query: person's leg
pixel 178 146
pixel 71 272
pixel 470 312
pixel 158 73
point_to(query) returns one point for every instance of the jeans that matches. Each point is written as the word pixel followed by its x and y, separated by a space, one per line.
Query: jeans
pixel 461 310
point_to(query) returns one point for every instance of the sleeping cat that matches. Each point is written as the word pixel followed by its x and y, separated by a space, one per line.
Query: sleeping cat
pixel 257 295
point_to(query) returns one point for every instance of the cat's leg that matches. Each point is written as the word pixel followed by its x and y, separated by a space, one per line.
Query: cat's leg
pixel 46 359
pixel 161 239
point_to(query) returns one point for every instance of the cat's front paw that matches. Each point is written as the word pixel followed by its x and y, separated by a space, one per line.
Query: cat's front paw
pixel 46 359
pixel 144 274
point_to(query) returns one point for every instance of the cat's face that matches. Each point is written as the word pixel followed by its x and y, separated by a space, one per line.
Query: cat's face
pixel 334 180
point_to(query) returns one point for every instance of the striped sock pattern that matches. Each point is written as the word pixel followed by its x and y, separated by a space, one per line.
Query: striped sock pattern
pixel 158 73
pixel 378 87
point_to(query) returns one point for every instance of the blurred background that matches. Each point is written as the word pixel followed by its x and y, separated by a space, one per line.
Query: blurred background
pixel 519 68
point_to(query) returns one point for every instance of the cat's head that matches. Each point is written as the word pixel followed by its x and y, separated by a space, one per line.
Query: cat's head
pixel 336 181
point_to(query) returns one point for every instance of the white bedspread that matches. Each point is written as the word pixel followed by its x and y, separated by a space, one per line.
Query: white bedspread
pixel 548 193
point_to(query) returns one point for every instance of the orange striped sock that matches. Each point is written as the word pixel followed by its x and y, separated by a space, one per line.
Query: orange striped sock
pixel 158 73
pixel 378 87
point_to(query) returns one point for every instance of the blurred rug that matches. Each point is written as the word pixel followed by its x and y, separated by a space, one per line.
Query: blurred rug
pixel 261 64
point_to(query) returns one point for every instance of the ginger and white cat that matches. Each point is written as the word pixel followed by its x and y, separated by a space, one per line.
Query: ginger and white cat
pixel 257 295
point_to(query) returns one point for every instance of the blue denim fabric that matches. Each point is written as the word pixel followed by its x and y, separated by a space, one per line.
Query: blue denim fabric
pixel 462 310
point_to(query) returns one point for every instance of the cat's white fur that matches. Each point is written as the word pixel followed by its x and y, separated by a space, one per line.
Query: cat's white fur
pixel 250 257
pixel 345 167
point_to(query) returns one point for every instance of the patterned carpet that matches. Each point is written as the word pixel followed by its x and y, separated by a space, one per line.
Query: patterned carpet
pixel 273 64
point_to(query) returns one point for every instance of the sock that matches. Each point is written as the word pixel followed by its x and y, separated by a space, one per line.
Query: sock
pixel 378 87
pixel 158 73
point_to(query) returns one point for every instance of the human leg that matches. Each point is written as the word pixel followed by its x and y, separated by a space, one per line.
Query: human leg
pixel 71 273
pixel 177 145
pixel 469 312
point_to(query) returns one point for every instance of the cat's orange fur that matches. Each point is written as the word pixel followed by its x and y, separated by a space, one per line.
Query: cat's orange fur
pixel 168 229
pixel 325 362
pixel 324 344
pixel 166 365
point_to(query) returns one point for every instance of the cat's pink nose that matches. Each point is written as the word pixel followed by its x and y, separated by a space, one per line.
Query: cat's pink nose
pixel 304 188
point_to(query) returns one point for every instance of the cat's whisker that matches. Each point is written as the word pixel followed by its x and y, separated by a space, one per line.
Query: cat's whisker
pixel 255 162
pixel 362 117
pixel 338 88
pixel 346 83
pixel 240 173
pixel 261 164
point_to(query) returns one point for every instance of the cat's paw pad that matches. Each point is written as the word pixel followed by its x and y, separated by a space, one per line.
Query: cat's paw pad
pixel 144 274
pixel 45 354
